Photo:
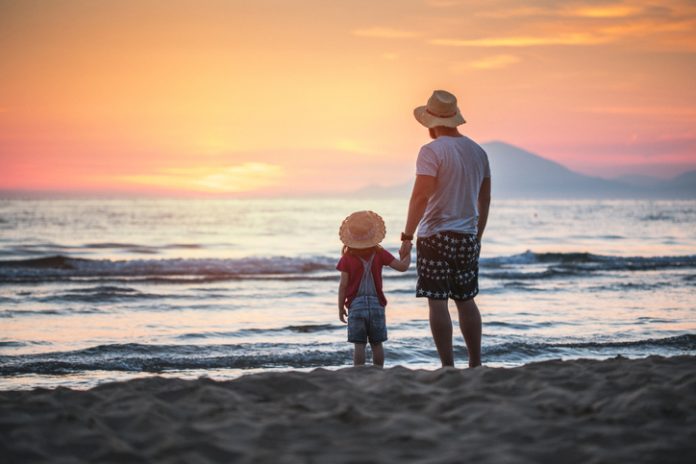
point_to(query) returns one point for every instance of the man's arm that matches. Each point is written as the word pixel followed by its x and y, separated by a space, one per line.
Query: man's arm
pixel 484 204
pixel 423 188
pixel 342 313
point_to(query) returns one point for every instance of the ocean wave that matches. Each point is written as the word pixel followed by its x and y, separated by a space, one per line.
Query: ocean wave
pixel 302 329
pixel 102 294
pixel 7 313
pixel 20 344
pixel 631 286
pixel 515 275
pixel 135 357
pixel 519 267
pixel 542 266
pixel 681 343
pixel 62 311
pixel 522 326
pixel 593 261
pixel 60 267
pixel 659 217
pixel 11 344
pixel 44 248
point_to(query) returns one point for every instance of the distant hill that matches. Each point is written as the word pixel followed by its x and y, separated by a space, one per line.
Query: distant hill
pixel 517 173
pixel 684 185
pixel 638 180
pixel 681 186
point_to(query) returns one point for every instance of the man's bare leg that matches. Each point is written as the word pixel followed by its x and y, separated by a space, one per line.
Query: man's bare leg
pixel 441 328
pixel 377 354
pixel 359 354
pixel 470 324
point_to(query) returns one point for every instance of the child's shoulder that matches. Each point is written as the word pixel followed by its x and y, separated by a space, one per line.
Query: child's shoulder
pixel 385 256
pixel 346 260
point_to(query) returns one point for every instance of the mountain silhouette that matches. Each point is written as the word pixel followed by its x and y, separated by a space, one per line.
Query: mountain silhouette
pixel 517 173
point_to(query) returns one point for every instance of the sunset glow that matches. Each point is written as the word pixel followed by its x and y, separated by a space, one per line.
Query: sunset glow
pixel 242 178
pixel 276 97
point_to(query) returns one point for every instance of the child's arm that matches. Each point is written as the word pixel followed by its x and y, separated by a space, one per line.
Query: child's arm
pixel 402 264
pixel 342 313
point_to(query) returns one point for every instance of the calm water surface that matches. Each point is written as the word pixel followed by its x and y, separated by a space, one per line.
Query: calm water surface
pixel 101 290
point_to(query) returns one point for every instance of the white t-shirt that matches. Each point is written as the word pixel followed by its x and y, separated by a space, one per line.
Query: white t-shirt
pixel 459 165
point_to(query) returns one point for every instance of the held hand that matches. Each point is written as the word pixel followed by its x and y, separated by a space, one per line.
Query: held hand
pixel 342 313
pixel 405 249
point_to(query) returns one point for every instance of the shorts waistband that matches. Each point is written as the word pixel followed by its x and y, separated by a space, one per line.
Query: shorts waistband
pixel 366 300
pixel 451 234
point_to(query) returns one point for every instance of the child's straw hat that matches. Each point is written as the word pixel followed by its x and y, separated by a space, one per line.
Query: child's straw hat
pixel 362 229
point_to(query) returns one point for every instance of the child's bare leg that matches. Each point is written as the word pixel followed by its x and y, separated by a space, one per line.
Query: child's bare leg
pixel 377 354
pixel 359 354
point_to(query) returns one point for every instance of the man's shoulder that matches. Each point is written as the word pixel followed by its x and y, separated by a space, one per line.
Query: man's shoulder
pixel 441 143
pixel 434 147
pixel 474 143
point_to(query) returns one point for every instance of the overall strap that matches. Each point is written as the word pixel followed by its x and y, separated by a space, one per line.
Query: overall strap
pixel 367 283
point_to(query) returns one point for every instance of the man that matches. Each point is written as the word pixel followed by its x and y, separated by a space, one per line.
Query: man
pixel 450 201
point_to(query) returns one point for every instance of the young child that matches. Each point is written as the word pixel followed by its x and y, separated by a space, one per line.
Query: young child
pixel 360 295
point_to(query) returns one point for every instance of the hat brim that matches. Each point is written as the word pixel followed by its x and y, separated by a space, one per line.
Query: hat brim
pixel 428 120
pixel 380 231
pixel 360 245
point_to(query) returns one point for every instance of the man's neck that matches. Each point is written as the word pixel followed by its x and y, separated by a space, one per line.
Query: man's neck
pixel 441 131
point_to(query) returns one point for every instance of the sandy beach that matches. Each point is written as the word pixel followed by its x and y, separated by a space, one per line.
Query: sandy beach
pixel 618 410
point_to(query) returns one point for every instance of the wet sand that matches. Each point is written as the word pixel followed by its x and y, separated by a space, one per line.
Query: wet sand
pixel 582 411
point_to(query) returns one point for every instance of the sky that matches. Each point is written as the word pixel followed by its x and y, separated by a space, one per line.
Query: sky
pixel 276 97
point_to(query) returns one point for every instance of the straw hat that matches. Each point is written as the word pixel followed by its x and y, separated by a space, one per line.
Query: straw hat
pixel 362 229
pixel 441 110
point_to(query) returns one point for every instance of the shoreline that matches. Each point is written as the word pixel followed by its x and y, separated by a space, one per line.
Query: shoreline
pixel 91 366
pixel 615 410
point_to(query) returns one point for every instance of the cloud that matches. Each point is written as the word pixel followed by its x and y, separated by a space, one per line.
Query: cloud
pixel 494 62
pixel 688 113
pixel 559 10
pixel 638 24
pixel 443 3
pixel 385 33
pixel 649 27
pixel 240 178
pixel 524 41
pixel 671 34
pixel 606 11
pixel 520 12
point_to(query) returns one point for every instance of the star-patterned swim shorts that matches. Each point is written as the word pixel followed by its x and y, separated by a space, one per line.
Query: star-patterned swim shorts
pixel 447 266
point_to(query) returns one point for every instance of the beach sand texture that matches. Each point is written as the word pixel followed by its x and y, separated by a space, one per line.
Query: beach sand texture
pixel 618 410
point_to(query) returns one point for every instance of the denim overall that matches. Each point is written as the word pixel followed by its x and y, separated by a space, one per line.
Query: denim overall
pixel 366 320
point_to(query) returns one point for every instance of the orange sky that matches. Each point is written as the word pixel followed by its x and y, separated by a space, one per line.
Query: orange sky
pixel 276 96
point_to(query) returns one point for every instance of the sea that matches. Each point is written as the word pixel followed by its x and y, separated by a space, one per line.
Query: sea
pixel 102 290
